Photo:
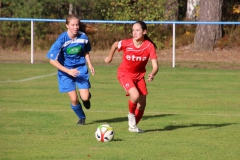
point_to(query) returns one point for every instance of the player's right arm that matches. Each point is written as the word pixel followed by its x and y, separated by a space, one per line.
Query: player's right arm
pixel 71 72
pixel 113 49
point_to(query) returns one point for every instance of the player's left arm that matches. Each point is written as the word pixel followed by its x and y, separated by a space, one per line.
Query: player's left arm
pixel 154 70
pixel 87 57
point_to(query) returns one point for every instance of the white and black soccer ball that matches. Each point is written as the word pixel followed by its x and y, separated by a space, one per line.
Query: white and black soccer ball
pixel 104 133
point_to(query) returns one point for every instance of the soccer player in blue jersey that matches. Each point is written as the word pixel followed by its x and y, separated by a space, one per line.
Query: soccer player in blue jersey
pixel 70 55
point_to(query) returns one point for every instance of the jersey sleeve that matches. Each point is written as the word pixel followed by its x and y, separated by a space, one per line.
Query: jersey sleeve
pixel 88 47
pixel 55 50
pixel 153 54
pixel 87 44
pixel 119 46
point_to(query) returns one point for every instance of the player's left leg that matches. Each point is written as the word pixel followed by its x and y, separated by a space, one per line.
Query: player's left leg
pixel 140 108
pixel 83 85
pixel 141 104
pixel 85 96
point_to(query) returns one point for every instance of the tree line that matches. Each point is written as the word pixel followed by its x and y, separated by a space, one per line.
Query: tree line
pixel 17 34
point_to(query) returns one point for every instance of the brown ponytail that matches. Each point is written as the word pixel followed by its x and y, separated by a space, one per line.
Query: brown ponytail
pixel 147 38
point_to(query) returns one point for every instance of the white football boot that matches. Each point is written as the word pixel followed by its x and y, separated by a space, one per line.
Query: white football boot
pixel 131 120
pixel 132 124
pixel 136 129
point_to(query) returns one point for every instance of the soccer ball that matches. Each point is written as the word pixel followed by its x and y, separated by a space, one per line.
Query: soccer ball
pixel 104 133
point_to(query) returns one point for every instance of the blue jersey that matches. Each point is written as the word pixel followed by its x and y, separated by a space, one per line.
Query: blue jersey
pixel 70 52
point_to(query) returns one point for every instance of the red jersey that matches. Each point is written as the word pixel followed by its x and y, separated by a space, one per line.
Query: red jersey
pixel 134 59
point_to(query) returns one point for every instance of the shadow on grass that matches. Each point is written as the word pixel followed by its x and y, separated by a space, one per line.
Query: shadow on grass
pixel 174 127
pixel 167 128
pixel 122 119
pixel 117 140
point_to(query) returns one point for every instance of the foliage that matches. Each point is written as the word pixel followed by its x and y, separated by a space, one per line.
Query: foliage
pixel 230 38
pixel 236 9
pixel 185 35
pixel 230 10
pixel 16 35
pixel 151 10
pixel 90 9
pixel 20 32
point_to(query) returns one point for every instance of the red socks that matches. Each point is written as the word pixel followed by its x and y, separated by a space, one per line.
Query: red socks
pixel 138 115
pixel 132 106
pixel 133 109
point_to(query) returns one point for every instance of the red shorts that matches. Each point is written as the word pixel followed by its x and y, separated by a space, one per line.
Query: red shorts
pixel 128 83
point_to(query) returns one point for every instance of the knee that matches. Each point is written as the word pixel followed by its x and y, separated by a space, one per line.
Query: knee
pixel 134 98
pixel 74 102
pixel 134 94
pixel 86 97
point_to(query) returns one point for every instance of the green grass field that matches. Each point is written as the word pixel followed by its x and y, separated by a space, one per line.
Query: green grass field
pixel 191 114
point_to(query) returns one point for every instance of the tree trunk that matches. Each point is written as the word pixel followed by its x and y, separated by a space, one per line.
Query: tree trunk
pixel 171 10
pixel 207 35
pixel 192 10
pixel 70 11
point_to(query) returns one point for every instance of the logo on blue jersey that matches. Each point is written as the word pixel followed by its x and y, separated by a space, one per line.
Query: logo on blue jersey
pixel 74 50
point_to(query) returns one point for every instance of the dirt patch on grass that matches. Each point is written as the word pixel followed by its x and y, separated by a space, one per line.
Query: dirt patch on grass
pixel 227 58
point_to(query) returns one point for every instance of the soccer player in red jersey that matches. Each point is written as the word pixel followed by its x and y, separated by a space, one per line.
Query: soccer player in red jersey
pixel 131 72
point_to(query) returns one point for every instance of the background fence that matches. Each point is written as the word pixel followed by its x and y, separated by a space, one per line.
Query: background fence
pixel 173 23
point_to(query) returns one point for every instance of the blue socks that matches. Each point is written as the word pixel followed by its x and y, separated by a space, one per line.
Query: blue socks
pixel 79 111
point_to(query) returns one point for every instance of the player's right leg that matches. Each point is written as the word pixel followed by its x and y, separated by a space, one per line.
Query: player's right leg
pixel 83 84
pixel 77 107
pixel 133 101
pixel 140 108
pixel 67 85
pixel 132 105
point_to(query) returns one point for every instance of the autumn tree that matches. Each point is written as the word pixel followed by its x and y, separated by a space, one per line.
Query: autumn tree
pixel 207 35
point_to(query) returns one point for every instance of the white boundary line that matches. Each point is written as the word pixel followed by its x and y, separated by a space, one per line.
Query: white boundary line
pixel 28 79
pixel 147 113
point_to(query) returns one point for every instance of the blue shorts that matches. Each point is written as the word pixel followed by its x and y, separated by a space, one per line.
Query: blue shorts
pixel 67 83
